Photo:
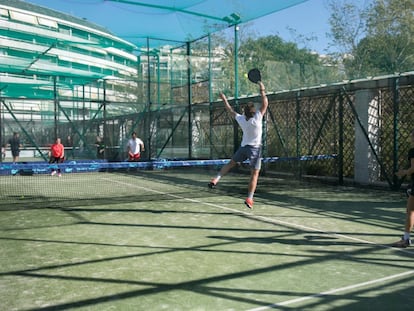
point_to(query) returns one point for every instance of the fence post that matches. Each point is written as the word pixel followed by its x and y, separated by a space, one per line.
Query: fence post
pixel 341 140
pixel 366 169
pixel 396 101
pixel 298 132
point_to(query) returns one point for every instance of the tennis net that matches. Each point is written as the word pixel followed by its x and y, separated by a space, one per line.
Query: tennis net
pixel 85 182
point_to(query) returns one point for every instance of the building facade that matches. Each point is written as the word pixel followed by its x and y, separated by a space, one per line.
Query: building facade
pixel 40 47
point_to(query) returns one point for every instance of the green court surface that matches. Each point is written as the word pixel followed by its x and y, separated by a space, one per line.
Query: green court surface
pixel 161 240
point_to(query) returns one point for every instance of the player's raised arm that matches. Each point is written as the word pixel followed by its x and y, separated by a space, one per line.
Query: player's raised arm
pixel 227 105
pixel 265 101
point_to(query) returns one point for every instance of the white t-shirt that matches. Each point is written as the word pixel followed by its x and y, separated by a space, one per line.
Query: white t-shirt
pixel 134 145
pixel 252 129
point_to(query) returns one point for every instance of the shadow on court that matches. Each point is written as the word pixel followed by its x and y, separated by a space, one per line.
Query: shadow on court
pixel 163 240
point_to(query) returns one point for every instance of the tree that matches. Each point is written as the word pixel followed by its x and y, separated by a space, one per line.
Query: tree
pixel 284 64
pixel 254 51
pixel 375 39
pixel 347 23
pixel 390 34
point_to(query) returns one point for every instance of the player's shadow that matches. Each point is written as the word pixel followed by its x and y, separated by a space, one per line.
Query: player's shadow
pixel 296 239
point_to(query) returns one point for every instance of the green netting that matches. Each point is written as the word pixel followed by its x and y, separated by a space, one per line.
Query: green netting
pixel 178 21
pixel 50 48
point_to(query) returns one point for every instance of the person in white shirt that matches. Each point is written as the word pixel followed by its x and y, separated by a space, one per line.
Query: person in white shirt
pixel 251 145
pixel 134 147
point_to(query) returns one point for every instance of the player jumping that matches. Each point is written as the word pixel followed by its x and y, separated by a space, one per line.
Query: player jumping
pixel 251 145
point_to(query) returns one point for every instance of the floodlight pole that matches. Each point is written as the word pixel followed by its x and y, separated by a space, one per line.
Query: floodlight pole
pixel 236 62
pixel 210 95
pixel 236 85
pixel 190 95
pixel 105 131
pixel 148 119
pixel 55 107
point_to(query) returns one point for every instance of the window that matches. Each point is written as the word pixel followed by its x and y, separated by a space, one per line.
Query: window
pixel 22 17
pixel 4 13
pixel 47 22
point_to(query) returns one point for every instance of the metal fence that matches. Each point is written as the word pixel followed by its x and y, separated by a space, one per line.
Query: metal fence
pixel 355 130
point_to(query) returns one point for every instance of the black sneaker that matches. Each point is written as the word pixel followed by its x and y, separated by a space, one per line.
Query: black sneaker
pixel 402 243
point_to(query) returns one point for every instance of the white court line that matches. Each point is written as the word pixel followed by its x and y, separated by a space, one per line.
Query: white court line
pixel 264 218
pixel 306 228
pixel 333 291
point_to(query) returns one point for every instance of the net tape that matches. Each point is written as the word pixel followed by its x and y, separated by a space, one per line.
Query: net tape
pixel 30 168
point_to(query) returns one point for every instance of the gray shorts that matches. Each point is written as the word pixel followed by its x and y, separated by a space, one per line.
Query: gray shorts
pixel 253 154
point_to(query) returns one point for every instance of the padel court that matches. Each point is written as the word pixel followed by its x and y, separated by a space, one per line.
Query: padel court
pixel 161 240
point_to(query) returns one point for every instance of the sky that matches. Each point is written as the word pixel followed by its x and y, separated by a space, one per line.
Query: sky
pixel 308 19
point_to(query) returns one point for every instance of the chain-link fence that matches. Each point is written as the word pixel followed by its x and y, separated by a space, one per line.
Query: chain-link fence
pixel 309 131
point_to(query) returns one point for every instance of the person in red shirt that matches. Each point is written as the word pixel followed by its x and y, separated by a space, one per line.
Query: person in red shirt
pixel 57 155
pixel 135 147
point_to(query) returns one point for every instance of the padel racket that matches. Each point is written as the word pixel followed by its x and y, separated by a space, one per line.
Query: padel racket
pixel 254 75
